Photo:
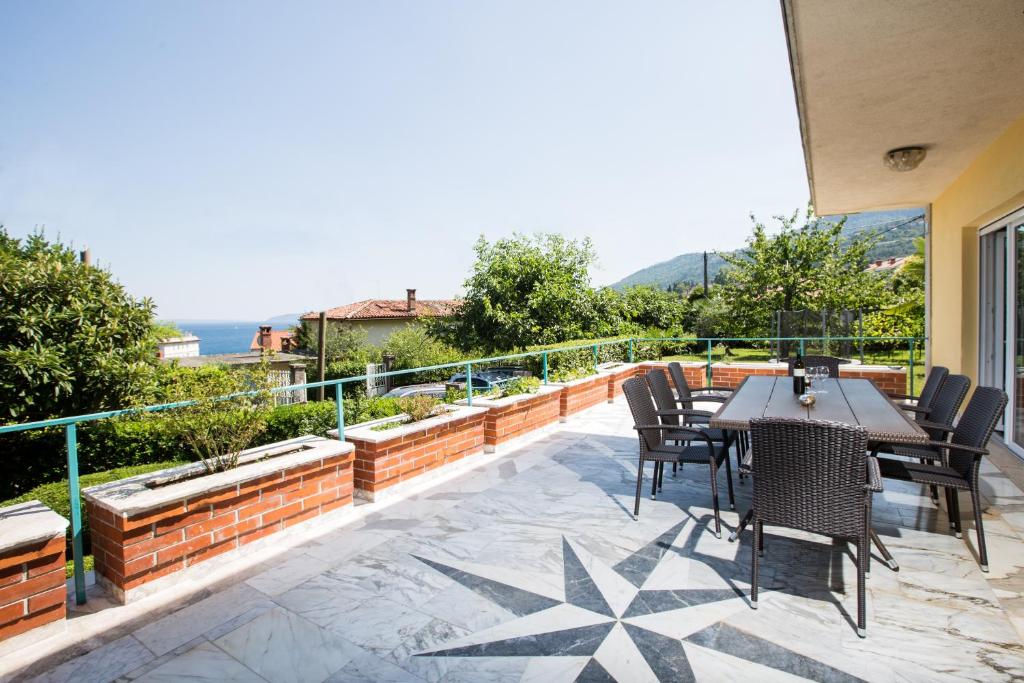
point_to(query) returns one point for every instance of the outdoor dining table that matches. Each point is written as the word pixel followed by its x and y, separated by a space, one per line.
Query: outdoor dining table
pixel 847 400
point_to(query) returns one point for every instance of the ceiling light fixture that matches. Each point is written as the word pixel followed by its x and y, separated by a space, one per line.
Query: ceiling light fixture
pixel 904 158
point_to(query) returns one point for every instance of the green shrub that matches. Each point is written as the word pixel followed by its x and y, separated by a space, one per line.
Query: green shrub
pixel 520 385
pixel 288 421
pixel 418 407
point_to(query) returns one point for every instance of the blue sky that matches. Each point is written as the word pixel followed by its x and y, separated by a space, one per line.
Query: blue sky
pixel 244 159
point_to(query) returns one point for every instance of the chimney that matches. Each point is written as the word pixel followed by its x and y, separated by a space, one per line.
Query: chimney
pixel 266 342
pixel 410 300
pixel 892 260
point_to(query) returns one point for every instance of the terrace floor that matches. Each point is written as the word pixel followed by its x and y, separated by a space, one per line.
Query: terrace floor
pixel 531 568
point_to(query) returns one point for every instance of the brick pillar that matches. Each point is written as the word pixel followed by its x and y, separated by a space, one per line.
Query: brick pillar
pixel 33 590
pixel 298 376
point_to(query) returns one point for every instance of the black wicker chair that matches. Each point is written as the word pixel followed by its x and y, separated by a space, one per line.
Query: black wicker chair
pixel 831 362
pixel 670 414
pixel 814 476
pixel 710 394
pixel 942 412
pixel 659 444
pixel 932 385
pixel 960 459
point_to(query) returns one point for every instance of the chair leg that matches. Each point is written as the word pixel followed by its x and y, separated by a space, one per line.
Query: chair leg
pixel 754 558
pixel 714 496
pixel 957 524
pixel 982 550
pixel 661 477
pixel 760 539
pixel 675 468
pixel 639 483
pixel 728 478
pixel 863 552
pixel 654 481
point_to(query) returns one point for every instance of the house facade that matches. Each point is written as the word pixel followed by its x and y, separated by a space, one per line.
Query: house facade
pixel 379 318
pixel 922 104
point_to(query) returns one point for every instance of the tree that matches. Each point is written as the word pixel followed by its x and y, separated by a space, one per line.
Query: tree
pixel 72 340
pixel 801 267
pixel 522 291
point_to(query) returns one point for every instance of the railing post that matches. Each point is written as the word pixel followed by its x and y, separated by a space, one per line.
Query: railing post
pixel 707 370
pixel 544 358
pixel 594 348
pixel 339 407
pixel 802 347
pixel 630 350
pixel 469 384
pixel 911 356
pixel 76 513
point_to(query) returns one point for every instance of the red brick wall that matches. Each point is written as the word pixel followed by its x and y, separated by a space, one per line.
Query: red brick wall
pixel 132 551
pixel 582 395
pixel 506 422
pixel 381 464
pixel 32 586
pixel 616 378
pixel 888 380
pixel 694 374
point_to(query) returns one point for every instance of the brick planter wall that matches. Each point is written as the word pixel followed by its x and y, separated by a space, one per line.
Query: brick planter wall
pixel 581 394
pixel 888 379
pixel 693 372
pixel 33 592
pixel 192 521
pixel 386 458
pixel 617 376
pixel 516 416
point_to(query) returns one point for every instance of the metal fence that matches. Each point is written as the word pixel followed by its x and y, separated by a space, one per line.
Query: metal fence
pixel 628 348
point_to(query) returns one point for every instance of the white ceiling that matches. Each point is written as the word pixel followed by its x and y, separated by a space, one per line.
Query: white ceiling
pixel 873 75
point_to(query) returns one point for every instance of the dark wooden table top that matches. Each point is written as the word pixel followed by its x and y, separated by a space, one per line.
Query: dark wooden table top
pixel 851 401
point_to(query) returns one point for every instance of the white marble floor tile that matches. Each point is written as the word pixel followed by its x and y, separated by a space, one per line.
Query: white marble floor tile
pixel 204 663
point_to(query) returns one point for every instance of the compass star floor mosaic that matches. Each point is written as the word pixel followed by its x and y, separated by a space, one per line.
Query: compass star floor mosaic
pixel 531 568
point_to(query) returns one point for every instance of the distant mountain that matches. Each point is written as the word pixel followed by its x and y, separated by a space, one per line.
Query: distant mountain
pixel 896 228
pixel 287 319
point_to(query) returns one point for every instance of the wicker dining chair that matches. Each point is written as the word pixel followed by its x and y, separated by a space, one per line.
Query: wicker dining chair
pixel 831 362
pixel 659 444
pixel 814 476
pixel 960 462
pixel 670 413
pixel 709 394
pixel 922 403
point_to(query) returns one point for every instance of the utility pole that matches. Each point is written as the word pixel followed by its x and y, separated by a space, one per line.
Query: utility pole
pixel 321 354
pixel 705 275
pixel 86 256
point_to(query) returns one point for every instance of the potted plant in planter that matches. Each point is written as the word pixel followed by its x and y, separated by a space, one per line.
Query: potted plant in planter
pixel 516 408
pixel 427 435
pixel 146 530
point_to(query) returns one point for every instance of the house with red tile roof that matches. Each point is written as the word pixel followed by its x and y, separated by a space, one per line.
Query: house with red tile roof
pixel 269 339
pixel 380 317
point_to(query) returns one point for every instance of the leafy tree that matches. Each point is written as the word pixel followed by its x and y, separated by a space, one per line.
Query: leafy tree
pixel 806 266
pixel 524 290
pixel 72 340
pixel 343 342
pixel 653 307
pixel 413 347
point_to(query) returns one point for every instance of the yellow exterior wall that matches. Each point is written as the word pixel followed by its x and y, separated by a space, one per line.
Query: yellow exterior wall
pixel 991 187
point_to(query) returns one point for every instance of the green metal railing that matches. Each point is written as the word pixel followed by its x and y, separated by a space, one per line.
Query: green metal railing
pixel 70 424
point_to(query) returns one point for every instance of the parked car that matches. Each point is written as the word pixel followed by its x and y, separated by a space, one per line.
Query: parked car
pixel 490 378
pixel 436 390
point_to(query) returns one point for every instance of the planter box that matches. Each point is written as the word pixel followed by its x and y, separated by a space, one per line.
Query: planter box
pixel 617 374
pixel 580 394
pixel 513 417
pixel 141 533
pixel 693 371
pixel 889 379
pixel 33 589
pixel 399 455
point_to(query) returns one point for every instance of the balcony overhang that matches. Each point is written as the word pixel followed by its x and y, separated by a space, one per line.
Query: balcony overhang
pixel 873 76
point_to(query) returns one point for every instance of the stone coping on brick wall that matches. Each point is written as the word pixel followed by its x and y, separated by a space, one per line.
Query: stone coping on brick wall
pixel 615 367
pixel 543 390
pixel 127 497
pixel 860 367
pixel 364 431
pixel 28 523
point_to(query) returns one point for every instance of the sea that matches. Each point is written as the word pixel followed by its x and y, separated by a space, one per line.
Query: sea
pixel 226 336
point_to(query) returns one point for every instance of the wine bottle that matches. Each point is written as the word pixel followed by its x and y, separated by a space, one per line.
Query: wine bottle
pixel 799 381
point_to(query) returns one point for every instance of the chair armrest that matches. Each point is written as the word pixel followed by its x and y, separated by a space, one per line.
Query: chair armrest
pixel 685 411
pixel 916 409
pixel 704 398
pixel 712 388
pixel 874 476
pixel 934 444
pixel 928 424
pixel 902 397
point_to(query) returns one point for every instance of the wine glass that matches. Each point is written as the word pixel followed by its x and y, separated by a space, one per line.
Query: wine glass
pixel 812 375
pixel 822 375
